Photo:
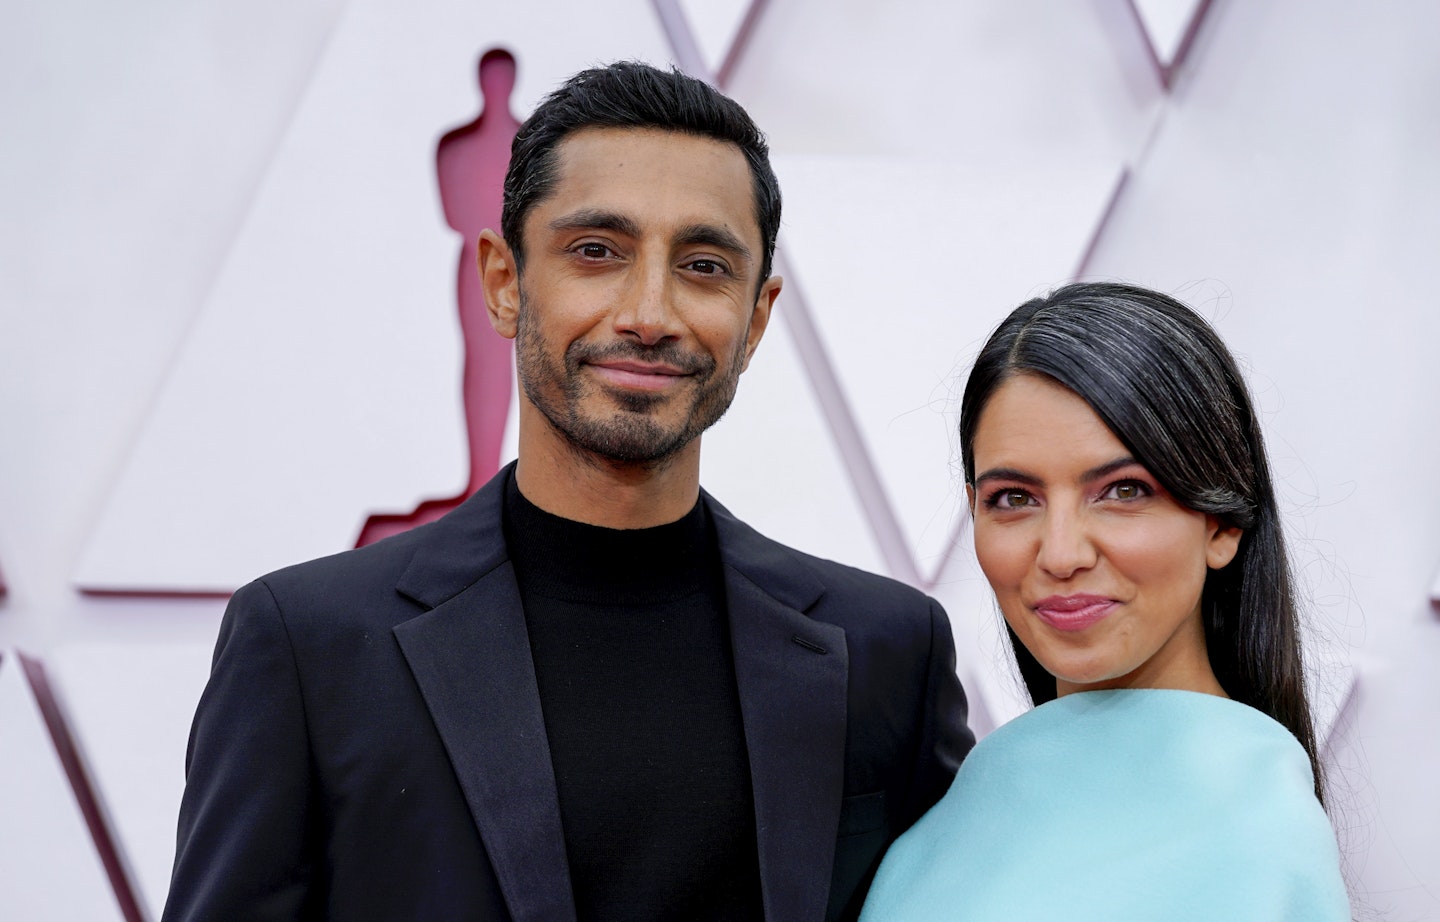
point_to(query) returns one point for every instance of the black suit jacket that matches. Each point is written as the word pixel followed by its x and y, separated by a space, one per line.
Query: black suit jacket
pixel 370 744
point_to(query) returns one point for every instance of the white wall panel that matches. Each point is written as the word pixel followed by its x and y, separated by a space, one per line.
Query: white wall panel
pixel 339 293
pixel 904 263
pixel 135 137
pixel 772 461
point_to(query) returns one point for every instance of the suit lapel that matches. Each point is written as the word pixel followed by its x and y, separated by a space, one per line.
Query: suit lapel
pixel 470 655
pixel 791 672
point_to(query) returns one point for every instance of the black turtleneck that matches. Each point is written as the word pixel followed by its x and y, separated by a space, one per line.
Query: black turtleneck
pixel 632 654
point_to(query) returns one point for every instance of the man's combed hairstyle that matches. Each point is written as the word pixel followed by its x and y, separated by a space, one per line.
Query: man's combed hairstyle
pixel 628 94
pixel 1167 387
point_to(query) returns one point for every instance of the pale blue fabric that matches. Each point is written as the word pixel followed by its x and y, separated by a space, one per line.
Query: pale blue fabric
pixel 1142 804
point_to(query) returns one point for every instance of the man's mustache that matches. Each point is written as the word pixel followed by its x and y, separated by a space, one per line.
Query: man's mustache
pixel 668 353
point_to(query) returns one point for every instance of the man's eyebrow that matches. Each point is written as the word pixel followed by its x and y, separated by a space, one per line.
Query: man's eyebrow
pixel 713 236
pixel 596 219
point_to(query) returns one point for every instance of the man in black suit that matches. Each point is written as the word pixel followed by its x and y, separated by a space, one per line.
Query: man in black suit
pixel 589 692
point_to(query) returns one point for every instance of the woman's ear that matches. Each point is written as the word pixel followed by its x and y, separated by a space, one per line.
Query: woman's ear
pixel 1223 543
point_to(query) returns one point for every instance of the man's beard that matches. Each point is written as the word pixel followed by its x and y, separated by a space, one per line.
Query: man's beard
pixel 630 434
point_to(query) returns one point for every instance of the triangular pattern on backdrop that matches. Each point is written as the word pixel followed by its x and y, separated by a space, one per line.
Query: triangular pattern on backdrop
pixel 718 29
pixel 1004 238
pixel 42 827
pixel 130 707
pixel 1170 27
pixel 319 383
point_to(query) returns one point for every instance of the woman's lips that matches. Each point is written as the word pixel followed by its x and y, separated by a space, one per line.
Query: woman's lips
pixel 1073 612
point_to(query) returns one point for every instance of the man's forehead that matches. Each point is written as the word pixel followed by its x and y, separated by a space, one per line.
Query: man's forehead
pixel 604 169
pixel 593 137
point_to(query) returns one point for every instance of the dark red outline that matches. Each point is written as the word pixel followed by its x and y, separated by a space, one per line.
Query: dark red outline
pixel 198 594
pixel 81 785
pixel 1169 71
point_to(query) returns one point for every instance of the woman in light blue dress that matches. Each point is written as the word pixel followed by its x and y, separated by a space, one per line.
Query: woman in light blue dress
pixel 1125 517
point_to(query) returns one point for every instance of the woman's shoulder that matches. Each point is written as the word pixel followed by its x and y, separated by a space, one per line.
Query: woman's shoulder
pixel 1163 725
pixel 1192 757
pixel 1162 793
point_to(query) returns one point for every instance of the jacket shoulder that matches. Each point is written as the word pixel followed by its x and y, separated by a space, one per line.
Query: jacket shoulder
pixel 824 589
pixel 347 574
pixel 861 586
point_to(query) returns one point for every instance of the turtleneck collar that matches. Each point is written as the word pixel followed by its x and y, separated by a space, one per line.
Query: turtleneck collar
pixel 563 559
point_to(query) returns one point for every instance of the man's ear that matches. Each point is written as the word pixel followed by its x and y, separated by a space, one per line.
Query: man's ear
pixel 500 278
pixel 760 315
pixel 970 497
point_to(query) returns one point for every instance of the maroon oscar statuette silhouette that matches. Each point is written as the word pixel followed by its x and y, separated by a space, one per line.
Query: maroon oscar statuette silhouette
pixel 470 164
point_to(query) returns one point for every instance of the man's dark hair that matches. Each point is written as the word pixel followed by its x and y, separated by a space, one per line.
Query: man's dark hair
pixel 629 94
pixel 1165 384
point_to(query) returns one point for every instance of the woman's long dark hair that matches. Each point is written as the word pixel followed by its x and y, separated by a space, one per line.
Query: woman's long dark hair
pixel 1166 386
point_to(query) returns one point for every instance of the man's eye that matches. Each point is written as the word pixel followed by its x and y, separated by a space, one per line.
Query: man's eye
pixel 707 267
pixel 594 250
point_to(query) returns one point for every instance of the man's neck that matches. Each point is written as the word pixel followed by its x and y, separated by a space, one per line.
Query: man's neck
pixel 597 491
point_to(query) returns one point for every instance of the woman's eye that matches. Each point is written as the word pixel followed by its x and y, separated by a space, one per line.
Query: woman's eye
pixel 1011 499
pixel 1127 489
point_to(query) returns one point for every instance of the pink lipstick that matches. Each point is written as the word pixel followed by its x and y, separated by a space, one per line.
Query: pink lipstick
pixel 1073 612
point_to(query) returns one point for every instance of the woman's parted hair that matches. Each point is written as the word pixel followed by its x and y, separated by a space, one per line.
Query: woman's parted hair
pixel 1163 382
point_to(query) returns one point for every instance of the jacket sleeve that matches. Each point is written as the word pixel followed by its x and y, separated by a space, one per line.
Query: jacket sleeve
pixel 945 738
pixel 244 849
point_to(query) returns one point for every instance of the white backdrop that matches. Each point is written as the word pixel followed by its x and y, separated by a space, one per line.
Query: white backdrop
pixel 227 328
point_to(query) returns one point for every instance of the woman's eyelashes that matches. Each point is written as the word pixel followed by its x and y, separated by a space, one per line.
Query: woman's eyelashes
pixel 1127 490
pixel 1010 498
pixel 1015 498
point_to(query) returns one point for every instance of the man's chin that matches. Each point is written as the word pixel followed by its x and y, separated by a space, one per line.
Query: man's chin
pixel 626 437
pixel 638 402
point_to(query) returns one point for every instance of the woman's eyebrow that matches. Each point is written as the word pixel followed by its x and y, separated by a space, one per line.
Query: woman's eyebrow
pixel 1095 473
pixel 1108 468
pixel 1007 473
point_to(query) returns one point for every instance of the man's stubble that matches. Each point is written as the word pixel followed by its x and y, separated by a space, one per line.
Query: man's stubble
pixel 631 434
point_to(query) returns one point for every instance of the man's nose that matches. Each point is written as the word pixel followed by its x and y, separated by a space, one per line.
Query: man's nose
pixel 647 305
pixel 1066 545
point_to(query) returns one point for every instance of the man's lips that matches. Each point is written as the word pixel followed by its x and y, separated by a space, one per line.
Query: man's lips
pixel 648 376
pixel 1073 612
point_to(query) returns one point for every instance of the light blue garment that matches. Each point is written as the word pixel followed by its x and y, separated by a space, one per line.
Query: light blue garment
pixel 1141 804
